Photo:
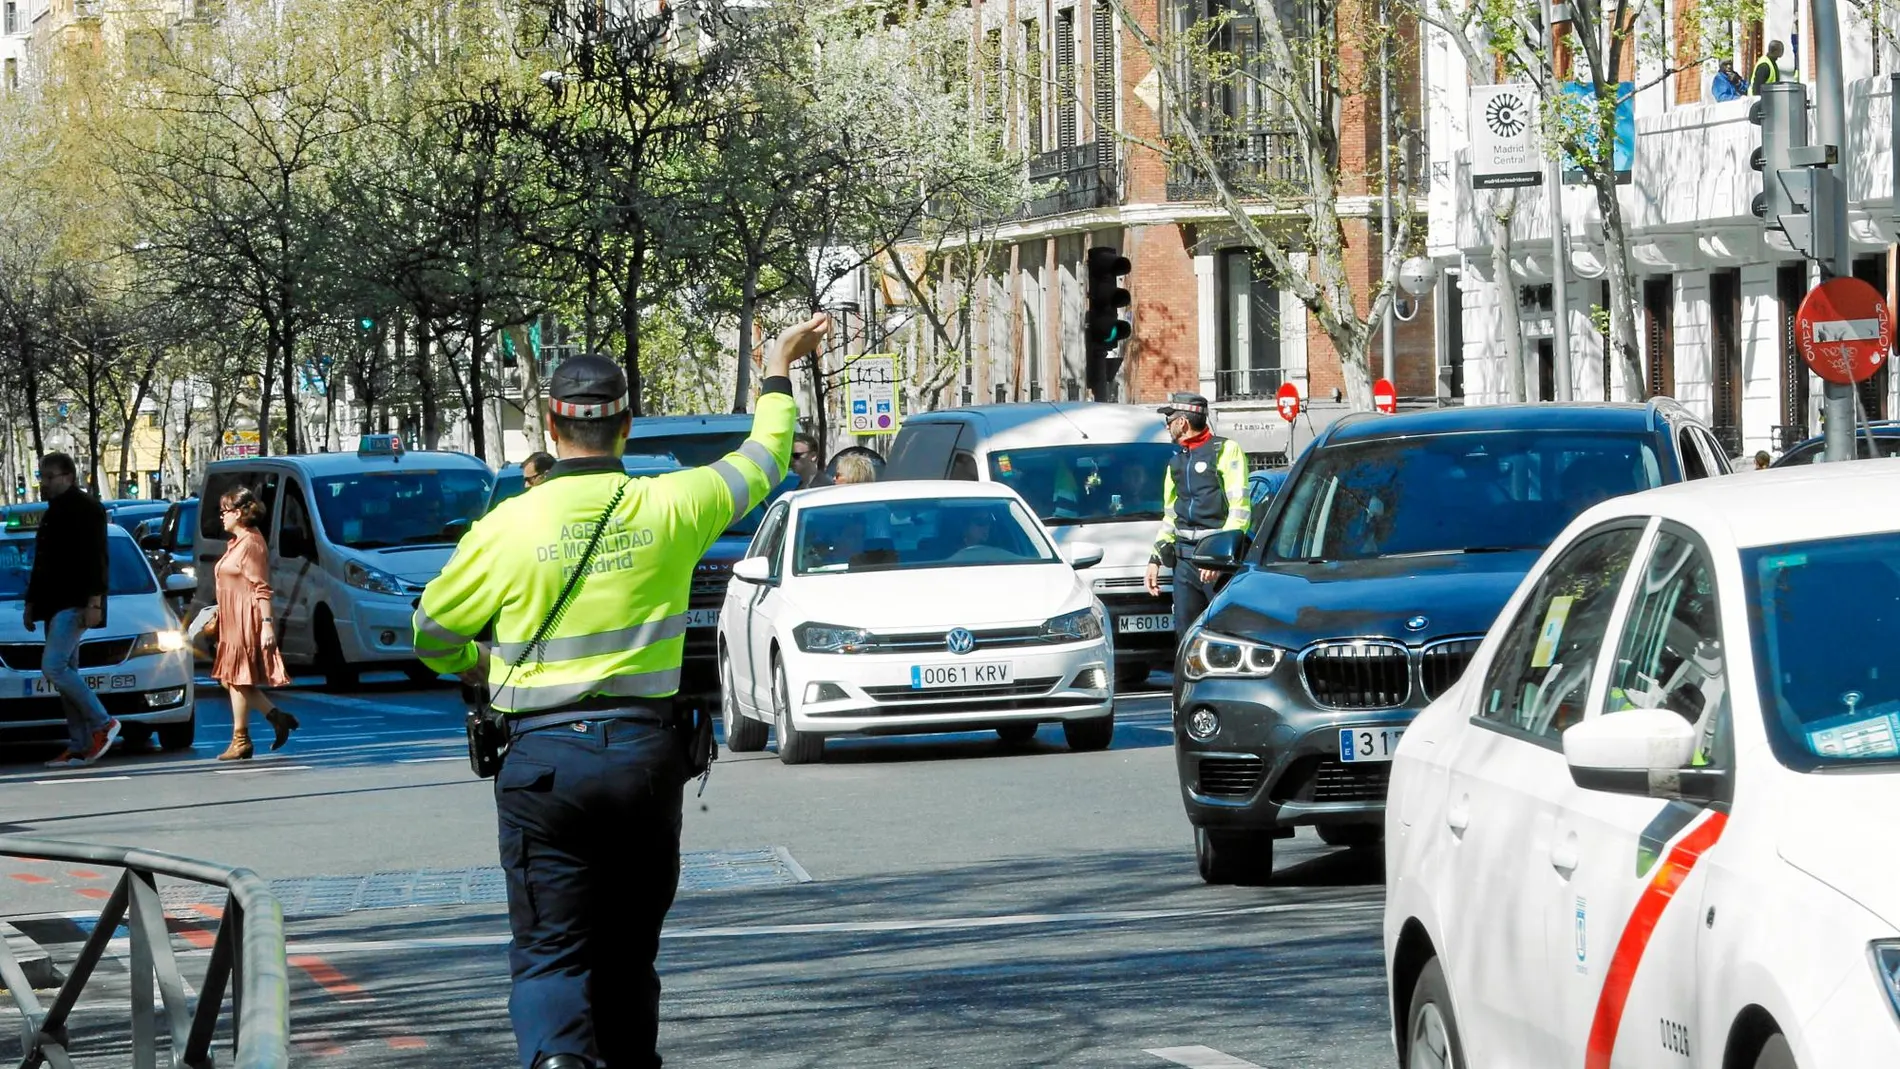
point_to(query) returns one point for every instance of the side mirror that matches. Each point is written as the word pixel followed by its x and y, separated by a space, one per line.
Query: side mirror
pixel 179 583
pixel 1644 752
pixel 755 570
pixel 1220 551
pixel 151 543
pixel 1085 555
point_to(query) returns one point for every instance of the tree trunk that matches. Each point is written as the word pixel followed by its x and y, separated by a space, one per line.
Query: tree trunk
pixel 748 302
pixel 477 392
pixel 1503 209
pixel 425 383
pixel 630 318
pixel 30 382
pixel 92 430
pixel 140 391
pixel 1622 297
pixel 531 427
pixel 292 431
pixel 263 393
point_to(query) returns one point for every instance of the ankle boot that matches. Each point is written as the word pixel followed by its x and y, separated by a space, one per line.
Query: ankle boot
pixel 240 748
pixel 282 724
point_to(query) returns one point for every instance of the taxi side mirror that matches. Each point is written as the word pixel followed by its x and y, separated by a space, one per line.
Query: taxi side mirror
pixel 1643 752
pixel 180 583
pixel 1085 555
pixel 755 570
pixel 1220 551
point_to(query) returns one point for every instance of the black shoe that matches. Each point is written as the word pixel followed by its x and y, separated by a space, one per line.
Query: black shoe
pixel 563 1061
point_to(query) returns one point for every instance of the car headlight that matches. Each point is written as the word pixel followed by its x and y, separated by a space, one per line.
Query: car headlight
pixel 374 580
pixel 152 642
pixel 1211 654
pixel 1080 625
pixel 830 638
pixel 1886 957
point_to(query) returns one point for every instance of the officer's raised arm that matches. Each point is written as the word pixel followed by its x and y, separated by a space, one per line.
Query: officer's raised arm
pixel 730 487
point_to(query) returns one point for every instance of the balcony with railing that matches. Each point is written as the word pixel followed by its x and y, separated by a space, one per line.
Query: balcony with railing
pixel 89 9
pixel 1255 162
pixel 1248 384
pixel 1072 179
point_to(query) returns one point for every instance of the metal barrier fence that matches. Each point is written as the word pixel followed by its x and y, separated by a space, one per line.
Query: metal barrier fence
pixel 247 956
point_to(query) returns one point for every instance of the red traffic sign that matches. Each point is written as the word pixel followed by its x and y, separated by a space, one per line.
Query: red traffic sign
pixel 1384 397
pixel 1289 401
pixel 1844 330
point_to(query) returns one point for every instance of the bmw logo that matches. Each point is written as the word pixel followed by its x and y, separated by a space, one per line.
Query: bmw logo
pixel 1417 623
pixel 960 640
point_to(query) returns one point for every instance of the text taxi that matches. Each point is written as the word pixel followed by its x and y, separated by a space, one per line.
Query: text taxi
pixel 1651 825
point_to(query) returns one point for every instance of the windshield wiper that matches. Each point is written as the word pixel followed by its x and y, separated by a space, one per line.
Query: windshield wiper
pixel 1497 549
pixel 369 544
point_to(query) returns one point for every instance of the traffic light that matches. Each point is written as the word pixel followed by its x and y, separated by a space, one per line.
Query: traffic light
pixel 1103 328
pixel 366 324
pixel 19 488
pixel 1799 192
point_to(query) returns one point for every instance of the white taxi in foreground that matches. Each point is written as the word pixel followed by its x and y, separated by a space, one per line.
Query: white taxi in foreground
pixel 893 608
pixel 137 662
pixel 1653 823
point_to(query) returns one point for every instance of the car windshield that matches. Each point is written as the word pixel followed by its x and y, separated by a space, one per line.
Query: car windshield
pixel 694 449
pixel 126 570
pixel 954 532
pixel 1487 491
pixel 402 507
pixel 509 482
pixel 1090 483
pixel 187 524
pixel 1822 616
pixel 1866 446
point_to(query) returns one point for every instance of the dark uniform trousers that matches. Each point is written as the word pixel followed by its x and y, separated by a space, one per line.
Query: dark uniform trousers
pixel 1191 595
pixel 590 843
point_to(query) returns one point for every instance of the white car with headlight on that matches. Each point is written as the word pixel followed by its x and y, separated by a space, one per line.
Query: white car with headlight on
pixel 1651 824
pixel 899 608
pixel 138 662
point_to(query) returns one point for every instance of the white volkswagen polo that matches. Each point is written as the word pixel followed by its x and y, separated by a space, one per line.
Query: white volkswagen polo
pixel 137 662
pixel 897 608
pixel 1650 825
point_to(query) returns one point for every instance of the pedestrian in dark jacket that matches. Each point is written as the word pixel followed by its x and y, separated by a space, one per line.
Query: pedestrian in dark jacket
pixel 67 592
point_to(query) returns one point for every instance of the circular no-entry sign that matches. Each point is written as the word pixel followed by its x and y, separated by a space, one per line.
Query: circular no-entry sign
pixel 1844 330
pixel 1384 397
pixel 1288 399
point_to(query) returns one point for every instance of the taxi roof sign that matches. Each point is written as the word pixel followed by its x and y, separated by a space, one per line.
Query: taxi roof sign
pixel 379 445
pixel 24 518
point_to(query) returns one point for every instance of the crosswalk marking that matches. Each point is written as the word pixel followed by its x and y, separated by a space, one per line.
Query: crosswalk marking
pixel 1201 1058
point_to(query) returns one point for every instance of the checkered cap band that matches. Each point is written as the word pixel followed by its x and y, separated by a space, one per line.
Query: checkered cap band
pixel 570 410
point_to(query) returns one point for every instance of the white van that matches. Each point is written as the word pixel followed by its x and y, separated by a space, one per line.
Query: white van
pixel 1092 472
pixel 354 537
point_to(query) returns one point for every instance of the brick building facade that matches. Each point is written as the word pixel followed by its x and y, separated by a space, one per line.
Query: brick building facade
pixel 1073 90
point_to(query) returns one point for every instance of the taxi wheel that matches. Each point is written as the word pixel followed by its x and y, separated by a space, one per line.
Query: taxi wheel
pixel 795 747
pixel 1016 734
pixel 1431 1031
pixel 1241 857
pixel 1093 734
pixel 1352 835
pixel 337 673
pixel 1775 1054
pixel 1131 676
pixel 743 734
pixel 178 736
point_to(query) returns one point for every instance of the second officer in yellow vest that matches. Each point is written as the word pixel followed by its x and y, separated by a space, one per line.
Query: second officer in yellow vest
pixel 584 580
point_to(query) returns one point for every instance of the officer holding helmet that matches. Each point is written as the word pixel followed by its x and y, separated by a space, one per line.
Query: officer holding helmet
pixel 1204 491
pixel 585 584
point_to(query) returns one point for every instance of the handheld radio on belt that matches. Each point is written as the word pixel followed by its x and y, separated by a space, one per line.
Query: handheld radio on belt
pixel 487 730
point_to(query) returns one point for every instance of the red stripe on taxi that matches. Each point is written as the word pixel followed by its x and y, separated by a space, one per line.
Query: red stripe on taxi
pixel 1635 939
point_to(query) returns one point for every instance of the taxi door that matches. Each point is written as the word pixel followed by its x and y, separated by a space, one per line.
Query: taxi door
pixel 1627 919
pixel 293 574
pixel 1507 781
pixel 751 659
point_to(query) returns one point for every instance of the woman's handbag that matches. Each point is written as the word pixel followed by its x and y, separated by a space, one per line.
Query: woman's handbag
pixel 202 633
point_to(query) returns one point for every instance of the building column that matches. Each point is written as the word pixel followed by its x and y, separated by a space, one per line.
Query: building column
pixel 1207 292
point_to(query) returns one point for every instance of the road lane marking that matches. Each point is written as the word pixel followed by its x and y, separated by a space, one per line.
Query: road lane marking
pixel 428 760
pixel 407 1043
pixel 77 779
pixel 1201 1058
pixel 454 942
pixel 327 977
pixel 260 768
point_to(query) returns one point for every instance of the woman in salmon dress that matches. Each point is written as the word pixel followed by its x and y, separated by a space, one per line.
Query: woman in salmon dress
pixel 247 659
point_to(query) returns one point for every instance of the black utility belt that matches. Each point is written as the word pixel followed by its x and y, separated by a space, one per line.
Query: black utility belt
pixel 581 712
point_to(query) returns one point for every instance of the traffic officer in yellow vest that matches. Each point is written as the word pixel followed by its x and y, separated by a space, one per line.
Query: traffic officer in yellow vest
pixel 589 790
pixel 1767 69
pixel 1204 491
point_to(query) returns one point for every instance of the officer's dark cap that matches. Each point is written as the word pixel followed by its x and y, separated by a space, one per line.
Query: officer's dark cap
pixel 1185 404
pixel 588 387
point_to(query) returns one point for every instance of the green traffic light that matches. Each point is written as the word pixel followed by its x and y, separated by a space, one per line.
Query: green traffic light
pixel 366 323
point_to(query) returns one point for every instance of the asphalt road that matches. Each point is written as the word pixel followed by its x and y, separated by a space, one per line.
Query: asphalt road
pixel 924 901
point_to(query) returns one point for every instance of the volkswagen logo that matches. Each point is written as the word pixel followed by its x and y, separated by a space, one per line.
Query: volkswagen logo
pixel 960 640
pixel 1417 623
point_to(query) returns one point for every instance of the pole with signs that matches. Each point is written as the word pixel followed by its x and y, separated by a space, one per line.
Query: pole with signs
pixel 1385 397
pixel 1844 331
pixel 1287 400
pixel 1830 126
pixel 872 405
